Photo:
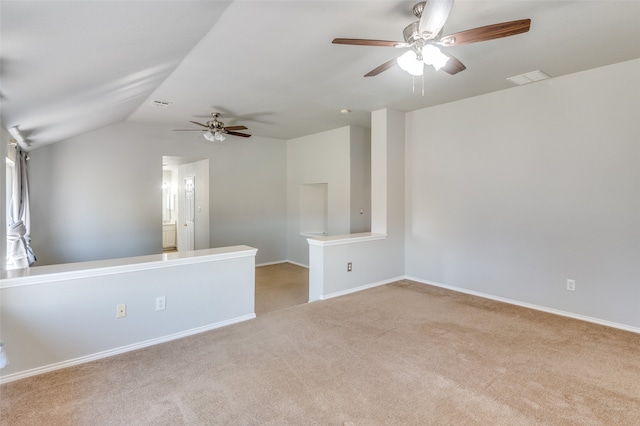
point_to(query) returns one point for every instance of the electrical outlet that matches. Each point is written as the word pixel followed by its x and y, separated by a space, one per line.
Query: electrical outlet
pixel 121 311
pixel 571 285
pixel 161 303
pixel 349 267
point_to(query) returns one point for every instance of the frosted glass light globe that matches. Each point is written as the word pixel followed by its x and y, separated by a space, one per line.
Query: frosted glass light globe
pixel 410 63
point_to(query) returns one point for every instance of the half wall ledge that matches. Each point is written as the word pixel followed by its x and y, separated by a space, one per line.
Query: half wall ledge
pixel 56 316
pixel 67 271
pixel 336 240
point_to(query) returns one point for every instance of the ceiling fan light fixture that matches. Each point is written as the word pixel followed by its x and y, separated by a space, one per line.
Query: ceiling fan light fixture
pixel 410 63
pixel 433 56
pixel 214 136
pixel 215 130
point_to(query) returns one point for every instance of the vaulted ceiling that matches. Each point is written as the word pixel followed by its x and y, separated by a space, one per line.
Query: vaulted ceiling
pixel 68 67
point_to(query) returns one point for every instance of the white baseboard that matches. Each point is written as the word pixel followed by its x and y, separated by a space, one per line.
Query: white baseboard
pixel 531 306
pixel 111 352
pixel 297 264
pixel 360 288
pixel 279 262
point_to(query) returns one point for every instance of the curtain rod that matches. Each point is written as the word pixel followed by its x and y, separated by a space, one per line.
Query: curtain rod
pixel 17 136
pixel 14 143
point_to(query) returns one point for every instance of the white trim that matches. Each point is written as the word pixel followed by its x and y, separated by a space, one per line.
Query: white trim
pixel 531 306
pixel 51 273
pixel 313 234
pixel 277 262
pixel 105 354
pixel 22 143
pixel 297 264
pixel 337 240
pixel 280 262
pixel 356 289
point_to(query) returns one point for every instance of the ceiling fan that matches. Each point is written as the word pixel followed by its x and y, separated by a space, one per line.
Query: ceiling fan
pixel 424 39
pixel 215 130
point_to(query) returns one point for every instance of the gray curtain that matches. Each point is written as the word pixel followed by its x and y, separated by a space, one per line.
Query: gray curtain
pixel 19 252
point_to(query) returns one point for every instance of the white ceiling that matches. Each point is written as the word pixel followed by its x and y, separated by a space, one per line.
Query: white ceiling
pixel 68 67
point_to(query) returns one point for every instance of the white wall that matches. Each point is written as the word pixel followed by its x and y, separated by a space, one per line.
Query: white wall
pixel 376 257
pixel 249 197
pixel 322 158
pixel 99 195
pixel 61 315
pixel 360 194
pixel 512 193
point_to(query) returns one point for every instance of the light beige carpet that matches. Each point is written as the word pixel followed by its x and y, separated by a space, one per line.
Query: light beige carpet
pixel 399 354
pixel 280 286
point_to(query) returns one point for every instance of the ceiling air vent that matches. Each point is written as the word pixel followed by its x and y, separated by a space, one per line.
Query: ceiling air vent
pixel 527 78
pixel 160 104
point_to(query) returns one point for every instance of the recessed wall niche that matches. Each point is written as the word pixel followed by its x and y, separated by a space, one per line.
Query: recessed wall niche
pixel 314 210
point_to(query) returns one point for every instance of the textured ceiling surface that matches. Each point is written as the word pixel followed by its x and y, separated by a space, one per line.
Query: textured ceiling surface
pixel 68 67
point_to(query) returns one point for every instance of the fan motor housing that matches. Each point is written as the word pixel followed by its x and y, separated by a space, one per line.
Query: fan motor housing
pixel 412 32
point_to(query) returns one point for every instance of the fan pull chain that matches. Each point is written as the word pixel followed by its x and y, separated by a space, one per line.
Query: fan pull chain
pixel 413 84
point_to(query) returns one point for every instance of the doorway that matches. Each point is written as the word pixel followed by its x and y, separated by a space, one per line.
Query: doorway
pixel 185 204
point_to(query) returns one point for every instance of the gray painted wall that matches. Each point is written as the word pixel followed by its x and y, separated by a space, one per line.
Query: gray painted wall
pixel 374 261
pixel 329 158
pixel 512 193
pixel 507 194
pixel 98 196
pixel 360 156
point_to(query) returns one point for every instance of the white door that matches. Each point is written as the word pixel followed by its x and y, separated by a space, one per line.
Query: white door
pixel 189 212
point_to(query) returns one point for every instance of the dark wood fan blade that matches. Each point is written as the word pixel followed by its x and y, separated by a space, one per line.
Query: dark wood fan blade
pixel 489 32
pixel 381 68
pixel 235 128
pixel 189 130
pixel 244 135
pixel 367 42
pixel 453 65
pixel 199 124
